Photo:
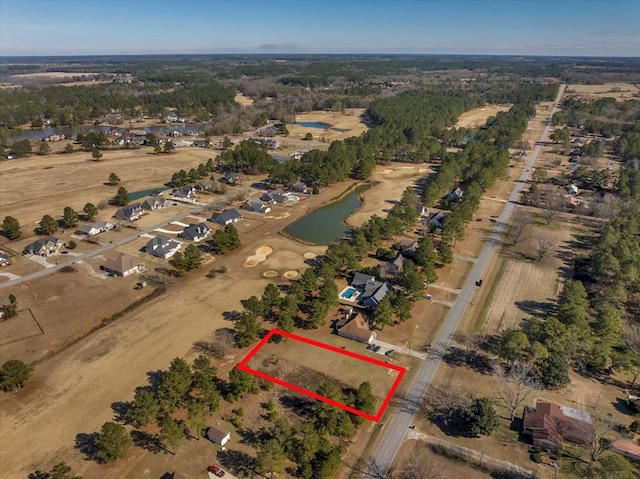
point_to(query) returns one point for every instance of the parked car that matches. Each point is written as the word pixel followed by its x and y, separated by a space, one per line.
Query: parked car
pixel 370 347
pixel 216 470
pixel 390 352
pixel 376 348
pixel 428 296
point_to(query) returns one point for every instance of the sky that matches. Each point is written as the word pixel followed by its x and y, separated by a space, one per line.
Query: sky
pixel 491 27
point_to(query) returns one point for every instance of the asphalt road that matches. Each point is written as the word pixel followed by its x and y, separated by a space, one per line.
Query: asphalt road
pixel 397 428
pixel 104 248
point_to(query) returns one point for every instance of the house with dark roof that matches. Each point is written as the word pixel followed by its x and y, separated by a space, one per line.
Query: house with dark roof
pixel 456 195
pixel 434 220
pixel 218 436
pixel 227 216
pixel 391 269
pixel 275 196
pixel 201 143
pixel 195 233
pixel 94 228
pixel 123 265
pixel 4 259
pixel 356 327
pixel 230 178
pixel 45 247
pixel 156 202
pixel 371 290
pixel 186 194
pixel 130 212
pixel 162 247
pixel 205 185
pixel 549 424
pixel 300 187
pixel 255 205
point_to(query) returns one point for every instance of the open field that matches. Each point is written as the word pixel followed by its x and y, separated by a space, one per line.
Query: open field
pixel 478 116
pixel 619 91
pixel 243 100
pixel 58 75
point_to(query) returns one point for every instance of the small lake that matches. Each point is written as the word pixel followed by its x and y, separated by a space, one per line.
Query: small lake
pixel 136 195
pixel 326 225
pixel 313 124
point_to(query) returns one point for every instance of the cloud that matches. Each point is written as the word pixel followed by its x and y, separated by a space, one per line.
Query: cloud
pixel 278 48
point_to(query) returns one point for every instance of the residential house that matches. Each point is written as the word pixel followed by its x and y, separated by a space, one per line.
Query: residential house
pixel 45 247
pixel 408 247
pixel 296 155
pixel 130 212
pixel 95 228
pixel 195 232
pixel 123 265
pixel 456 195
pixel 186 194
pixel 228 216
pixel 626 448
pixel 300 187
pixel 573 190
pixel 549 424
pixel 391 269
pixel 201 143
pixel 156 202
pixel 434 220
pixel 4 259
pixel 255 205
pixel 355 327
pixel 230 178
pixel 421 209
pixel 162 247
pixel 206 185
pixel 275 196
pixel 218 436
pixel 371 290
pixel 573 200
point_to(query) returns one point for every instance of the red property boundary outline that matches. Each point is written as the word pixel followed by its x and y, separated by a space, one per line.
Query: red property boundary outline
pixel 242 365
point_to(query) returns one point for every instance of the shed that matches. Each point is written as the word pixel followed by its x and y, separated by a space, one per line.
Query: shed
pixel 218 436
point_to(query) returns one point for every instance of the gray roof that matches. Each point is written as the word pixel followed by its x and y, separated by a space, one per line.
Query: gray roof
pixel 42 243
pixel 456 194
pixel 129 211
pixel 230 214
pixel 254 204
pixel 299 186
pixel 230 176
pixel 376 293
pixel 277 196
pixel 192 232
pixel 160 245
pixel 360 280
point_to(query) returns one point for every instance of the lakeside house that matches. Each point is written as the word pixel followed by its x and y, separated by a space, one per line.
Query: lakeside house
pixel 186 194
pixel 255 205
pixel 195 233
pixel 300 187
pixel 155 203
pixel 275 196
pixel 162 247
pixel 227 216
pixel 130 212
pixel 123 265
pixel 45 247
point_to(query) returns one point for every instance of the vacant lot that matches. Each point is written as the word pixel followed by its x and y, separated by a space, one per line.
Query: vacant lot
pixel 619 91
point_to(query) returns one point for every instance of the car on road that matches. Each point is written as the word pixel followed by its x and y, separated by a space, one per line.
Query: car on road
pixel 216 470
pixel 479 282
pixel 428 296
pixel 390 352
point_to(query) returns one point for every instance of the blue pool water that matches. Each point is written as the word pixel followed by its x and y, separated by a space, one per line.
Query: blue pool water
pixel 347 293
pixel 293 198
pixel 313 124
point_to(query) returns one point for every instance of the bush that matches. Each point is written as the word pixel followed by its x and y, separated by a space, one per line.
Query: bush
pixel 72 245
pixel 635 426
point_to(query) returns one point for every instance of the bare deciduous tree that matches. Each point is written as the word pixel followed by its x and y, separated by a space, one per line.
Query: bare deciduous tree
pixel 421 464
pixel 543 247
pixel 552 205
pixel 516 385
pixel 444 402
pixel 518 226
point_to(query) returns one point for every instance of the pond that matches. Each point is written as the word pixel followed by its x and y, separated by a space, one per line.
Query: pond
pixel 326 225
pixel 313 124
pixel 136 195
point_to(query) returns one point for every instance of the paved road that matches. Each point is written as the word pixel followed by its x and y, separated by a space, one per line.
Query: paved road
pixel 399 425
pixel 104 248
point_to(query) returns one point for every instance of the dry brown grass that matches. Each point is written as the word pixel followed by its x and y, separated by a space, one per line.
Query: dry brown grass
pixel 619 91
pixel 478 116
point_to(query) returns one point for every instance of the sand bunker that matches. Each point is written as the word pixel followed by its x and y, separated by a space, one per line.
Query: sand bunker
pixel 309 255
pixel 270 274
pixel 291 274
pixel 259 257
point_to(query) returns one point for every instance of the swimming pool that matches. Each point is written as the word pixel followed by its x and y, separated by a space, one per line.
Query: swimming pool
pixel 348 293
pixel 293 197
